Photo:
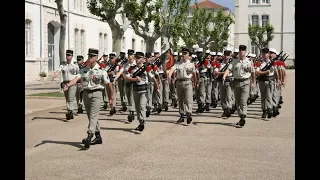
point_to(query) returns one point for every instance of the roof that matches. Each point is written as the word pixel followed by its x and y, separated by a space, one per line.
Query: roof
pixel 208 5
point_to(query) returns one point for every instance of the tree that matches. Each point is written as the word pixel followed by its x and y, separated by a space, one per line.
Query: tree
pixel 257 35
pixel 159 16
pixel 205 29
pixel 107 11
pixel 63 23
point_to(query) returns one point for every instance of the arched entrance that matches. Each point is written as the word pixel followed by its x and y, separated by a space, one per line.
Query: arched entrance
pixel 53 45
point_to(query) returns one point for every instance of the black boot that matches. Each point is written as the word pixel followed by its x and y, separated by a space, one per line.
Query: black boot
pixel 155 109
pixel 159 108
pixel 189 118
pixel 112 111
pixel 280 101
pixel 275 111
pixel 98 139
pixel 201 108
pixel 215 104
pixel 87 140
pixel 131 116
pixel 181 119
pixel 123 108
pixel 270 113
pixel 80 109
pixel 140 127
pixel 207 107
pixel 234 108
pixel 165 105
pixel 148 112
pixel 228 112
pixel 105 106
pixel 175 103
pixel 69 115
pixel 224 113
pixel 242 121
pixel 264 114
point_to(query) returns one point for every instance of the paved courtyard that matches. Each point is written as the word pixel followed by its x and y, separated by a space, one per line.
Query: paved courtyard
pixel 211 148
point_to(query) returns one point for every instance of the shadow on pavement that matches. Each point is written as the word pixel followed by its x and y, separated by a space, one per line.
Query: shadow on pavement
pixel 130 130
pixel 74 144
pixel 59 119
pixel 218 123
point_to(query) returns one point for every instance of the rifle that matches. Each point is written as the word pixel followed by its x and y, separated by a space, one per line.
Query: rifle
pixel 284 59
pixel 270 63
pixel 224 68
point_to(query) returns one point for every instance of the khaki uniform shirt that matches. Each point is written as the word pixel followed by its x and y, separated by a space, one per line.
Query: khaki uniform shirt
pixel 184 70
pixel 69 71
pixel 92 79
pixel 241 69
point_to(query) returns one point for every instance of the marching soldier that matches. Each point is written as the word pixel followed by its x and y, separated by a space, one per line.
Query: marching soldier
pixel 69 71
pixel 150 85
pixel 79 93
pixel 103 64
pixel 235 53
pixel 112 70
pixel 121 85
pixel 185 71
pixel 203 88
pixel 173 92
pixel 156 97
pixel 93 78
pixel 215 83
pixel 128 85
pixel 266 84
pixel 164 88
pixel 140 85
pixel 275 96
pixel 241 69
pixel 225 87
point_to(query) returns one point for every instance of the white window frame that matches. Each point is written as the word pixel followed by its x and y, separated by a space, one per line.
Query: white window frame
pixel 133 46
pixel 76 42
pixel 75 3
pixel 254 15
pixel 81 5
pixel 105 42
pixel 27 38
pixel 123 42
pixel 265 1
pixel 142 44
pixel 254 1
pixel 82 41
pixel 262 20
pixel 100 43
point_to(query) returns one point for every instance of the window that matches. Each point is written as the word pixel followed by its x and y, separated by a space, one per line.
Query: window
pixel 265 20
pixel 27 37
pixel 76 42
pixel 142 43
pixel 105 43
pixel 265 2
pixel 190 13
pixel 254 49
pixel 123 44
pixel 254 1
pixel 100 44
pixel 75 4
pixel 81 5
pixel 254 20
pixel 133 44
pixel 82 42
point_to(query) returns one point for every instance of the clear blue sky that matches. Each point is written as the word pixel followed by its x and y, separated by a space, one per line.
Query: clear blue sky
pixel 226 3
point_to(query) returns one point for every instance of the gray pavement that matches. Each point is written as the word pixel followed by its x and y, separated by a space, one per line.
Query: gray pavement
pixel 210 148
pixel 42 88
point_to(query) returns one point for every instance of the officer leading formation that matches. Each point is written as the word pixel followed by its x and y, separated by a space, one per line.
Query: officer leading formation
pixel 147 82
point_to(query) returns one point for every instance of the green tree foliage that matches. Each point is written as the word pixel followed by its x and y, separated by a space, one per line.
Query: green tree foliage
pixel 207 29
pixel 107 11
pixel 261 35
pixel 152 19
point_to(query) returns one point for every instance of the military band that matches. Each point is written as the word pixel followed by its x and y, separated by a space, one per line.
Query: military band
pixel 147 81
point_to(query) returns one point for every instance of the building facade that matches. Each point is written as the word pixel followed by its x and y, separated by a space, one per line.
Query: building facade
pixel 214 7
pixel 83 31
pixel 279 13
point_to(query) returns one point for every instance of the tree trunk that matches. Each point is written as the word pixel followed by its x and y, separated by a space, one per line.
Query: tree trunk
pixel 150 44
pixel 63 22
pixel 116 44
